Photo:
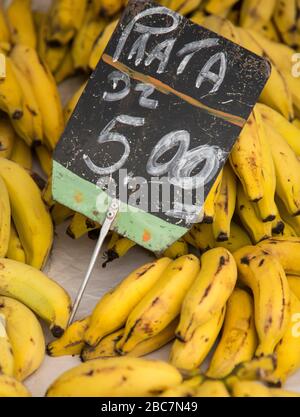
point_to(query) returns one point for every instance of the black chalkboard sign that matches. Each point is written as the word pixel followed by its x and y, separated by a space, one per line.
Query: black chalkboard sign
pixel 157 120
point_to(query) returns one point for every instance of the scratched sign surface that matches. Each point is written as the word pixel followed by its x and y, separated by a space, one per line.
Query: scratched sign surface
pixel 159 117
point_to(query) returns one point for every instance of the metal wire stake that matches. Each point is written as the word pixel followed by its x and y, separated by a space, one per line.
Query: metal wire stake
pixel 109 219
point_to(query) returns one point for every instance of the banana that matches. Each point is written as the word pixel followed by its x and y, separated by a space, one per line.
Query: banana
pixel 292 221
pixel 7 138
pixel 10 387
pixel 188 7
pixel 66 68
pixel 238 238
pixel 256 368
pixel 4 29
pixel 177 249
pixel 15 250
pixel 186 389
pixel 238 341
pixel 296 122
pixel 161 304
pixel 286 251
pixel 38 292
pixel 112 310
pixel 80 225
pixel 119 249
pixel 107 346
pixel 68 110
pixel 21 154
pixel 101 44
pixel 287 168
pixel 198 17
pixel 60 213
pixel 212 388
pixel 271 296
pixel 45 159
pixel 201 236
pixel 285 17
pixel 47 194
pixel 6 352
pixel 288 349
pixel 287 130
pixel 5 213
pixel 225 205
pixel 247 161
pixel 97 5
pixel 288 231
pixel 84 40
pixel 269 31
pixel 115 377
pixel 254 13
pixel 294 284
pixel 71 342
pixel 30 216
pixel 65 18
pixel 256 228
pixel 249 389
pixel 278 225
pixel 190 355
pixel 26 59
pixel 209 204
pixel 218 7
pixel 54 56
pixel 25 335
pixel 108 7
pixel 208 293
pixel 266 207
pixel 20 22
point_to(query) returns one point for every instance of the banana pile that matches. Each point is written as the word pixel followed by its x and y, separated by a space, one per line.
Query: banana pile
pixel 235 300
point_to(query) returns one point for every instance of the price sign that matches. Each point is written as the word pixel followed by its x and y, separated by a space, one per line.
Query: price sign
pixel 155 124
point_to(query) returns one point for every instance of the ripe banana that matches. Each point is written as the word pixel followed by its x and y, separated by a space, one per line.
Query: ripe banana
pixel 21 154
pixel 211 388
pixel 60 213
pixel 6 352
pixel 68 110
pixel 116 377
pixel 120 247
pixel 20 21
pixel 38 292
pixel 112 310
pixel 66 68
pixel 80 225
pixel 4 30
pixel 201 237
pixel 10 387
pixel 286 251
pixel 30 216
pixel 177 249
pixel 218 7
pixel 225 205
pixel 54 56
pixel 294 284
pixel 249 389
pixel 238 238
pixel 161 304
pixel 271 296
pixel 191 354
pixel 285 17
pixel 101 44
pixel 208 293
pixel 15 250
pixel 296 122
pixel 45 159
pixel 247 162
pixel 71 342
pixel 255 14
pixel 7 138
pixel 185 389
pixel 107 346
pixel 238 341
pixel 108 7
pixel 5 213
pixel 256 228
pixel 292 221
pixel 25 335
pixel 209 204
pixel 26 59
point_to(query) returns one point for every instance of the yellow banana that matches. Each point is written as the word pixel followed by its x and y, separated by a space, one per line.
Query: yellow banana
pixel 256 228
pixel 5 213
pixel 60 213
pixel 118 249
pixel 256 368
pixel 294 284
pixel 198 17
pixel 6 353
pixel 15 250
pixel 177 249
pixel 209 291
pixel 112 310
pixel 21 154
pixel 225 205
pixel 269 30
pixel 185 389
pixel 101 44
pixel 4 30
pixel 97 5
pixel 108 7
pixel 7 138
pixel 66 68
pixel 20 21
pixel 238 341
pixel 212 388
pixel 26 59
pixel 116 377
pixel 38 292
pixel 246 161
pixel 71 342
pixel 80 225
pixel 188 7
pixel 296 122
pixel 107 346
pixel 238 238
pixel 191 354
pixel 209 204
pixel 285 17
pixel 254 13
pixel 288 231
pixel 161 304
pixel 29 213
pixel 25 335
pixel 68 110
pixel 286 250
pixel 54 56
pixel 201 236
pixel 271 296
pixel 218 7
pixel 65 18
pixel 249 389
pixel 292 221
pixel 47 194
pixel 45 159
pixel 10 387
